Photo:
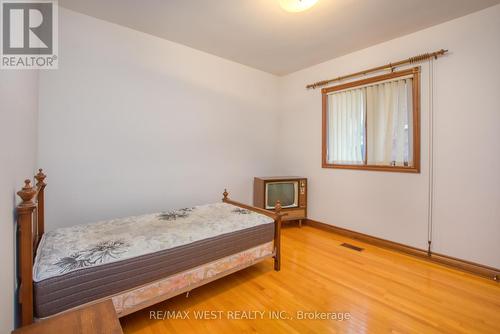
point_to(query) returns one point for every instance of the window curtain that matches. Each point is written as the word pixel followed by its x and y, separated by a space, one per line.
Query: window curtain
pixel 389 109
pixel 346 125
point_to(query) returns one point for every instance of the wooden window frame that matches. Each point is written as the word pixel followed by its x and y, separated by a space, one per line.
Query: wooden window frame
pixel 415 73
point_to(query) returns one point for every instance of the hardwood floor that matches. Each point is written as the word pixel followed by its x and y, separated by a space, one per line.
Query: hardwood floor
pixel 383 291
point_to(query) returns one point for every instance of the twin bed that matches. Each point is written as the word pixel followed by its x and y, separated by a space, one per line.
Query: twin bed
pixel 135 261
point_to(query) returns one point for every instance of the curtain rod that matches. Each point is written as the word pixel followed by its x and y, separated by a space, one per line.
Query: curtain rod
pixel 390 66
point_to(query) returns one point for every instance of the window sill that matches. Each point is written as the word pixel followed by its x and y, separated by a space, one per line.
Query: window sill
pixel 394 169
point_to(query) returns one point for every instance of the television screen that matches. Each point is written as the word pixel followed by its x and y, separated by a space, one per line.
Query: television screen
pixel 286 192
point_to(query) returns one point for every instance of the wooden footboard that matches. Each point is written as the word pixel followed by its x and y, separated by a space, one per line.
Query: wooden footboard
pixel 30 225
pixel 277 215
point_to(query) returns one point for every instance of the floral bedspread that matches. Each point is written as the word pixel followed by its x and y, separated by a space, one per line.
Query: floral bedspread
pixel 68 249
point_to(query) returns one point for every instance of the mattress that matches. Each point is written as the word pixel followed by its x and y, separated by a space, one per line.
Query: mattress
pixel 83 263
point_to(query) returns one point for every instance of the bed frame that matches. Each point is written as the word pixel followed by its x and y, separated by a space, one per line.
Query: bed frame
pixel 30 223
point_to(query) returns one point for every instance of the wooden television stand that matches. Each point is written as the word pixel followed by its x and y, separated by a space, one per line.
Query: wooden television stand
pixel 298 212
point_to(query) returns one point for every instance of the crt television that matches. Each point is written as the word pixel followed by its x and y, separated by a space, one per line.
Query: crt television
pixel 291 191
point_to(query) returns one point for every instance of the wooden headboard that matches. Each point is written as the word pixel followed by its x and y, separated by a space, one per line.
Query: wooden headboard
pixel 30 223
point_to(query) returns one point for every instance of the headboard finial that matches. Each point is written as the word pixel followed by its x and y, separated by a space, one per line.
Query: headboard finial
pixel 27 193
pixel 225 194
pixel 40 177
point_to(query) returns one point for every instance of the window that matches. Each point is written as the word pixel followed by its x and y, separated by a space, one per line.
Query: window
pixel 373 123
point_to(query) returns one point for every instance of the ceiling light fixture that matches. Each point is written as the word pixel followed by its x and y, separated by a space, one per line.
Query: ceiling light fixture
pixel 295 6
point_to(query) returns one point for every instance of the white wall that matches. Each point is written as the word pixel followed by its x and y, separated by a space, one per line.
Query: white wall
pixel 18 133
pixel 132 123
pixel 467 145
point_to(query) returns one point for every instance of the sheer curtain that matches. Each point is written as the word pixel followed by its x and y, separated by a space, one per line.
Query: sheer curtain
pixel 346 125
pixel 389 109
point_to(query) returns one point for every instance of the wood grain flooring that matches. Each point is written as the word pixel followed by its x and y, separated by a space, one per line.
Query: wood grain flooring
pixel 381 290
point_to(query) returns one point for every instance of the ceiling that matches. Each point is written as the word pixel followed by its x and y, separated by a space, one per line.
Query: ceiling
pixel 258 33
